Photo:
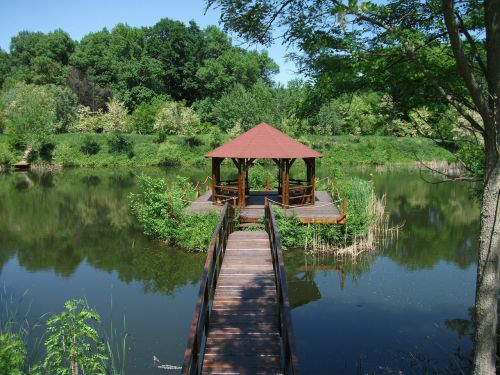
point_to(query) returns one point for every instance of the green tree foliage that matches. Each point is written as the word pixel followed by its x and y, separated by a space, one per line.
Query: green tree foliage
pixel 5 66
pixel 260 103
pixel 30 115
pixel 41 58
pixel 143 118
pixel 356 114
pixel 176 119
pixel 73 344
pixel 12 354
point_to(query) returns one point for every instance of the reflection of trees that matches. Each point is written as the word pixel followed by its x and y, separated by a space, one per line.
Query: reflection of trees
pixel 301 269
pixel 465 327
pixel 63 219
pixel 441 221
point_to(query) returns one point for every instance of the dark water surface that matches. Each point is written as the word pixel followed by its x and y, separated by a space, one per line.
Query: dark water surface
pixel 403 309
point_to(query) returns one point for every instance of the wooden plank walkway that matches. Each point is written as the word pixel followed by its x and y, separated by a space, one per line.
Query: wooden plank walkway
pixel 243 335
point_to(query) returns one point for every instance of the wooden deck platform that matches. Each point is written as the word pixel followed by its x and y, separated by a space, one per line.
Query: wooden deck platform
pixel 323 211
pixel 243 335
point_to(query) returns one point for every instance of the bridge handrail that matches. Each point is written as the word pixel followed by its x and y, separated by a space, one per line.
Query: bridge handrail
pixel 199 325
pixel 290 359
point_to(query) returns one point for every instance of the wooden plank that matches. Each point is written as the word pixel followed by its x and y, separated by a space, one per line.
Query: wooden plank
pixel 243 332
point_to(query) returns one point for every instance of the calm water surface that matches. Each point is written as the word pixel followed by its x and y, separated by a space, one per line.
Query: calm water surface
pixel 403 309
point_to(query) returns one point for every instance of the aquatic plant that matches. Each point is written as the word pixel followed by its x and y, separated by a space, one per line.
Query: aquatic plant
pixel 365 224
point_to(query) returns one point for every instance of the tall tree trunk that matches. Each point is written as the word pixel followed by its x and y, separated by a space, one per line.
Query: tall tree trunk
pixel 485 341
pixel 487 278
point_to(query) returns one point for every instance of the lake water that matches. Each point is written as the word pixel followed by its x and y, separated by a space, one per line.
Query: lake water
pixel 401 309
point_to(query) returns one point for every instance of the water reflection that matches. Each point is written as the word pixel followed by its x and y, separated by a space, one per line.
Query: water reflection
pixel 56 221
pixel 404 307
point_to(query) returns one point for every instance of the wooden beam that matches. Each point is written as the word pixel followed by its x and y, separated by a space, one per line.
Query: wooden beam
pixel 236 162
pixel 241 183
pixel 313 180
pixel 216 162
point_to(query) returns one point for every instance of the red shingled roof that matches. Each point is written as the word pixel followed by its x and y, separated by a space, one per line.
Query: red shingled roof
pixel 263 142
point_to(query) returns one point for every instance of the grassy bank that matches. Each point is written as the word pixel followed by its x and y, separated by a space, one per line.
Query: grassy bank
pixel 93 150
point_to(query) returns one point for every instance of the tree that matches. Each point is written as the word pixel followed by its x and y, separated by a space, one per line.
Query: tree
pixel 421 37
pixel 30 114
pixel 41 58
pixel 176 119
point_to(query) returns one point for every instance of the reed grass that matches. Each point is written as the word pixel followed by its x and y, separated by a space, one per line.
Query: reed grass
pixel 379 233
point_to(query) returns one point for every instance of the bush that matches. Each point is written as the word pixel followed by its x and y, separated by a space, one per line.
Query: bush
pixel 46 150
pixel 6 156
pixel 63 155
pixel 119 144
pixel 12 354
pixel 158 207
pixel 74 342
pixel 30 115
pixel 176 119
pixel 90 146
pixel 169 155
pixel 160 210
pixel 195 230
pixel 143 118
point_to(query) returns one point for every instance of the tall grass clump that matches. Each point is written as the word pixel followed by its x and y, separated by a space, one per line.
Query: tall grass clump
pixel 160 209
pixel 366 222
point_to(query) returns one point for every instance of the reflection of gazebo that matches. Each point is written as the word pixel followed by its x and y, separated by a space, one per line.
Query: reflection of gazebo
pixel 264 142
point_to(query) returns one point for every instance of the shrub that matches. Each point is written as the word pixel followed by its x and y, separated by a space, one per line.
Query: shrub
pixel 115 120
pixel 176 119
pixel 73 341
pixel 90 146
pixel 160 210
pixel 195 230
pixel 169 155
pixel 6 156
pixel 158 207
pixel 46 150
pixel 143 118
pixel 12 354
pixel 87 121
pixel 119 144
pixel 30 115
pixel 63 154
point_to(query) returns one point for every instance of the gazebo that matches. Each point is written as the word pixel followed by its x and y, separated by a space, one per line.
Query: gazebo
pixel 264 142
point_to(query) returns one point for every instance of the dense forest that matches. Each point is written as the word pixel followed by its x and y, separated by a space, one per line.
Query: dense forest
pixel 177 79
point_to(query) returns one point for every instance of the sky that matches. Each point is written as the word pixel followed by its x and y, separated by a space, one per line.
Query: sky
pixel 78 18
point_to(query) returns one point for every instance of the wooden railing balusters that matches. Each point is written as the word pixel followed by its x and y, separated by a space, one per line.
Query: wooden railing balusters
pixel 201 318
pixel 291 365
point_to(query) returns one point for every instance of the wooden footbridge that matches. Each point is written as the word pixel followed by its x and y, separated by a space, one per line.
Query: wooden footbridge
pixel 241 323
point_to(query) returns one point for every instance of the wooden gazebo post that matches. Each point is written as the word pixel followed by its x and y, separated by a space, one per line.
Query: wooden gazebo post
pixel 216 162
pixel 311 176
